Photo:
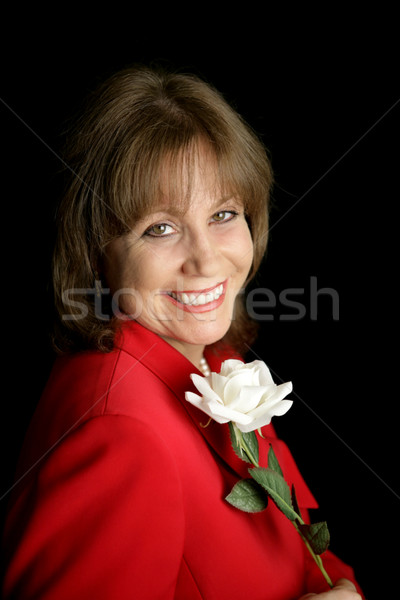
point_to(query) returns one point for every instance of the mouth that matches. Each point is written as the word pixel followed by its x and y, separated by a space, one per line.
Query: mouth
pixel 199 300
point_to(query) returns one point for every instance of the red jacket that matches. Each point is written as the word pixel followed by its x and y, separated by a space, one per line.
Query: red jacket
pixel 122 492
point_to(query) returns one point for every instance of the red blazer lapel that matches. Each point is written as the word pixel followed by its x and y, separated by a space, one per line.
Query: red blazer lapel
pixel 171 367
pixel 174 370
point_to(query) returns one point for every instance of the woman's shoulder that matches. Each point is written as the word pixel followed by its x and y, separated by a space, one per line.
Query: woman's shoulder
pixel 92 383
pixel 88 386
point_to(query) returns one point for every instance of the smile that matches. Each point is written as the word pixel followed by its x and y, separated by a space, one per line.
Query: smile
pixel 198 298
pixel 201 300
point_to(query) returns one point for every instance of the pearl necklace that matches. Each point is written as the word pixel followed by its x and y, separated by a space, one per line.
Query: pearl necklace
pixel 204 368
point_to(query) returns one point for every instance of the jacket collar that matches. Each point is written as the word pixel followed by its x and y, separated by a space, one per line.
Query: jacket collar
pixel 174 369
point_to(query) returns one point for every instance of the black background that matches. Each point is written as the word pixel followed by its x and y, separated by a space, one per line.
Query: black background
pixel 321 91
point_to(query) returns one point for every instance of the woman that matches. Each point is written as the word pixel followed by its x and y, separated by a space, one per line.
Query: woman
pixel 121 487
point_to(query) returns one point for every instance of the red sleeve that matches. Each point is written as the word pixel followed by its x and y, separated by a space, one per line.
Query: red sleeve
pixel 102 518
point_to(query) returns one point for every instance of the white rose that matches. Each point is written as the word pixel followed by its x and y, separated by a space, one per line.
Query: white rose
pixel 242 393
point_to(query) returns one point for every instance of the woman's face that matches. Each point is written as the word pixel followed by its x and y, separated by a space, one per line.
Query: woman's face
pixel 178 272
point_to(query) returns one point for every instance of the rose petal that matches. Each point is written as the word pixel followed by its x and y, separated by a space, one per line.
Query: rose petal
pixel 218 383
pixel 194 399
pixel 278 392
pixel 265 374
pixel 271 408
pixel 199 403
pixel 204 387
pixel 249 398
pixel 282 407
pixel 255 375
pixel 264 419
pixel 235 384
pixel 230 365
pixel 227 413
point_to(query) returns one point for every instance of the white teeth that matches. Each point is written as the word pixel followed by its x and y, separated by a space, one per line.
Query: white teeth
pixel 198 299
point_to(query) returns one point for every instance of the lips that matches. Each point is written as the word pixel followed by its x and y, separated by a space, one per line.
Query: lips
pixel 199 300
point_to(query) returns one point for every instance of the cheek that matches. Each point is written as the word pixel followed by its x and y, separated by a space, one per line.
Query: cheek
pixel 244 252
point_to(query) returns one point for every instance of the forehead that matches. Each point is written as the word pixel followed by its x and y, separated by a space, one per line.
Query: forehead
pixel 187 178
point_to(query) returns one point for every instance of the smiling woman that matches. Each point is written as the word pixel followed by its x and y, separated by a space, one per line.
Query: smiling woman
pixel 121 490
pixel 148 141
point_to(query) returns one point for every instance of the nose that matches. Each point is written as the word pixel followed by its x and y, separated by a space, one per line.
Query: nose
pixel 202 254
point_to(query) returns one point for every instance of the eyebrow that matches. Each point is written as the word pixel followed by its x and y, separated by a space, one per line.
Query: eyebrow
pixel 180 210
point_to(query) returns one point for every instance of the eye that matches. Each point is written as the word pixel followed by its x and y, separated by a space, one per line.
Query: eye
pixel 159 230
pixel 222 216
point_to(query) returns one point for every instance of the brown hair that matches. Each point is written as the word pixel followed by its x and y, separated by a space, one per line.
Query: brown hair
pixel 133 122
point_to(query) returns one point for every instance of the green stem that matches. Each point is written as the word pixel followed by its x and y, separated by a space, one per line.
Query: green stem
pixel 316 557
pixel 248 451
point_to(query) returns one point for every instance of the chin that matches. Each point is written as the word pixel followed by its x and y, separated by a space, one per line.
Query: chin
pixel 205 336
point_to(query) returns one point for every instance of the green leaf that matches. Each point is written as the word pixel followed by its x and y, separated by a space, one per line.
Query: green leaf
pixel 242 442
pixel 273 461
pixel 250 439
pixel 248 496
pixel 317 535
pixel 277 488
pixel 294 501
